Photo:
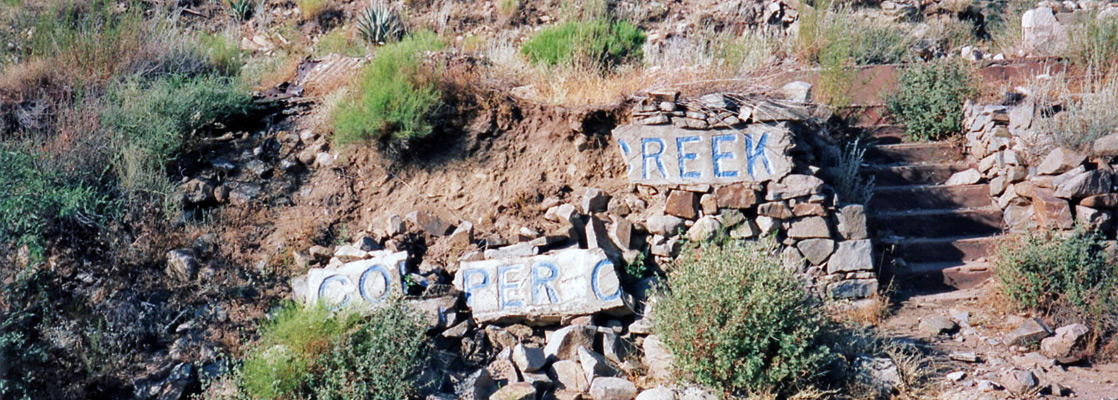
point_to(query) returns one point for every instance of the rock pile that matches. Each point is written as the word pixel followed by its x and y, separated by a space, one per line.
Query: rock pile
pixel 1045 29
pixel 549 309
pixel 1040 189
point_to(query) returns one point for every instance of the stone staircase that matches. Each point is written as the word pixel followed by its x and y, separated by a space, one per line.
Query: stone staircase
pixel 930 230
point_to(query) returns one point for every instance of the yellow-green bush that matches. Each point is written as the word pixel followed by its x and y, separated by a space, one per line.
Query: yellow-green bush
pixel 1055 272
pixel 930 99
pixel 395 96
pixel 599 41
pixel 315 352
pixel 739 322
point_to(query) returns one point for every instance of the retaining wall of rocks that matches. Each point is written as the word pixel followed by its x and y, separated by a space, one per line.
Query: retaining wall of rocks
pixel 1037 183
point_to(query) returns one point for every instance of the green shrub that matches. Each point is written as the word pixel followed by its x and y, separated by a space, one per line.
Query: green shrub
pixel 335 355
pixel 930 99
pixel 1048 271
pixel 151 121
pixel 739 322
pixel 394 98
pixel 600 41
pixel 336 42
pixel 374 361
pixel 881 44
pixel 312 9
pixel 34 195
pixel 222 53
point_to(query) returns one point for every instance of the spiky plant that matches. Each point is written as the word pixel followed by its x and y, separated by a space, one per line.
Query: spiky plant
pixel 242 9
pixel 380 24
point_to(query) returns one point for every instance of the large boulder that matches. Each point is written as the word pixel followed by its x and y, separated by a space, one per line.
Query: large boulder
pixel 1041 33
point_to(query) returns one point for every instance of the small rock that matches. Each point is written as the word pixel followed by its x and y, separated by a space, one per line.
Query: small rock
pixel 181 265
pixel 515 391
pixel 564 343
pixel 852 222
pixel 594 365
pixel 594 200
pixel 956 376
pixel 704 229
pixel 737 196
pixel 528 358
pixel 431 224
pixel 1063 343
pixel 569 375
pixel 612 389
pixel 852 255
pixel 1029 333
pixel 936 325
pixel 809 227
pixel 395 225
pixel 798 91
pixel 682 203
pixel 1019 382
pixel 657 393
pixel 1059 161
pixel 816 251
pixel 665 225
pixel 964 356
pixel 657 359
pixel 880 373
pixel 196 191
pixel 968 177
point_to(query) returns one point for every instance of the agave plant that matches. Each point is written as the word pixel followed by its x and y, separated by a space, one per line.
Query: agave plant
pixel 242 9
pixel 380 24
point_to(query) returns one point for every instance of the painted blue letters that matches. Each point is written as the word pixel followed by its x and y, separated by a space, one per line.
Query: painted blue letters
pixel 625 151
pixel 594 284
pixel 645 156
pixel 716 157
pixel 471 287
pixel 544 282
pixel 378 269
pixel 342 280
pixel 683 157
pixel 503 283
pixel 752 155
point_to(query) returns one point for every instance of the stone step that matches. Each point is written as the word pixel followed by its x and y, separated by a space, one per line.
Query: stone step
pixel 914 197
pixel 958 275
pixel 945 249
pixel 914 153
pixel 879 134
pixel 917 174
pixel 938 222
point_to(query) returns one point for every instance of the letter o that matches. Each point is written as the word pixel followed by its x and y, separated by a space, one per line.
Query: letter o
pixel 342 280
pixel 595 282
pixel 364 278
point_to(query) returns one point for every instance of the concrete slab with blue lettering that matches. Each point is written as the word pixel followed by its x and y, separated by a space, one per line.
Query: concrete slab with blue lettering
pixel 361 283
pixel 541 289
pixel 668 155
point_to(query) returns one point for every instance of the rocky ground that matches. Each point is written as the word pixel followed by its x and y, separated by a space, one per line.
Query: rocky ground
pixel 983 353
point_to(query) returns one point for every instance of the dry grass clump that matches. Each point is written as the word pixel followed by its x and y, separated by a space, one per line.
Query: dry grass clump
pixel 1087 104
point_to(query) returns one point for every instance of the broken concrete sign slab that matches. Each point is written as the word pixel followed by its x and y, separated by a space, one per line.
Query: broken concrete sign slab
pixel 541 289
pixel 359 283
pixel 665 154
